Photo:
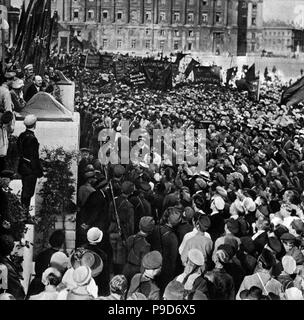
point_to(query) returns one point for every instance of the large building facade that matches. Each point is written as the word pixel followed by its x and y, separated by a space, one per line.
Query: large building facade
pixel 211 26
pixel 281 38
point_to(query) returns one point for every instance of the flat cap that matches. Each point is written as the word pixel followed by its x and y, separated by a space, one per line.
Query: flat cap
pixel 152 260
pixel 146 224
pixel 288 237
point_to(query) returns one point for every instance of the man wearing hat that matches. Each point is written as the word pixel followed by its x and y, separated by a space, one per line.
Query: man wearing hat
pixel 5 178
pixel 199 241
pixel 145 282
pixel 137 247
pixel 17 95
pixel 5 95
pixel 87 188
pixel 95 238
pixel 29 167
pixel 6 128
pixel 121 212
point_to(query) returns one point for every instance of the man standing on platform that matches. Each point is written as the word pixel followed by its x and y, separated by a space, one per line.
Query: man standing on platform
pixel 29 163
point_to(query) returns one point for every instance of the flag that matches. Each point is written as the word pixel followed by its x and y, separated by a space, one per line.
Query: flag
pixel 294 94
pixel 179 57
pixel 193 63
pixel 21 26
pixel 250 75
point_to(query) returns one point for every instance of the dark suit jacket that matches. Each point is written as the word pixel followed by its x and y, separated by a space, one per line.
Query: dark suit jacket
pixel 217 227
pixel 15 287
pixel 260 242
pixel 30 92
pixel 28 147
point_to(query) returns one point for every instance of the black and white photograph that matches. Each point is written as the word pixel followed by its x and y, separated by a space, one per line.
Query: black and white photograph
pixel 151 150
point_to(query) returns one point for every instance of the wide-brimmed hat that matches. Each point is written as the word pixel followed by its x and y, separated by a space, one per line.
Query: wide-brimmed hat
pixel 87 258
pixel 94 235
pixel 196 257
pixel 82 275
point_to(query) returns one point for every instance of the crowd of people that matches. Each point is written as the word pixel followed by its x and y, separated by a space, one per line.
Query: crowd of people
pixel 157 230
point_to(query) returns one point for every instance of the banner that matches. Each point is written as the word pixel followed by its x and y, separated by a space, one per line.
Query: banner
pixel 106 62
pixel 119 70
pixel 159 74
pixel 294 94
pixel 207 74
pixel 92 61
pixel 138 79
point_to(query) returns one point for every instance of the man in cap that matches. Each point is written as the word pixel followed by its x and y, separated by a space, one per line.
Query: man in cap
pixel 200 241
pixel 164 240
pixel 33 89
pixel 5 95
pixel 87 188
pixel 145 282
pixel 95 238
pixel 29 76
pixel 5 178
pixel 262 277
pixel 137 247
pixel 6 128
pixel 29 167
pixel 15 287
pixel 17 95
pixel 95 213
pixel 121 212
pixel 42 261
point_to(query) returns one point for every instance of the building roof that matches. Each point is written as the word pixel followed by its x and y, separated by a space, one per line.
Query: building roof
pixel 275 23
pixel 46 108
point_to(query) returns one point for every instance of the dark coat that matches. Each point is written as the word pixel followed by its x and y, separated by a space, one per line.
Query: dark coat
pixel 30 92
pixel 217 226
pixel 28 147
pixel 137 247
pixel 103 279
pixel 164 240
pixel 125 211
pixel 142 208
pixel 260 242
pixel 222 285
pixel 15 287
pixel 42 262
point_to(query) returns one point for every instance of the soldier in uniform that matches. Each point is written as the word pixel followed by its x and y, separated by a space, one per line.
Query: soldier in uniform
pixel 29 163
pixel 122 225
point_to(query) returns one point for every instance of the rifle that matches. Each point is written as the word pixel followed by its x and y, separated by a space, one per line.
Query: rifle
pixel 116 214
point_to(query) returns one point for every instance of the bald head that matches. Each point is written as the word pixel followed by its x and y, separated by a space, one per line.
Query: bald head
pixel 38 81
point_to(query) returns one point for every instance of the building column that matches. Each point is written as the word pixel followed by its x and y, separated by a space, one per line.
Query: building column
pixel 142 12
pixel 227 2
pixel 185 11
pixel 260 15
pixel 249 17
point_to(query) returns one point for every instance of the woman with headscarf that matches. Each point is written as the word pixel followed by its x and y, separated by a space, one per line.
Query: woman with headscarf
pixel 118 289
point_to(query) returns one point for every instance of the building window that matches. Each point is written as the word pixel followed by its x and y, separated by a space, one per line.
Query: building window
pixel 105 14
pixel 105 43
pixel 191 33
pixel 253 21
pixel 205 2
pixel 76 14
pixel 218 17
pixel 190 46
pixel 254 6
pixel 176 45
pixel 148 16
pixel 148 44
pixel 176 17
pixel 162 45
pixel 119 15
pixel 119 43
pixel 176 33
pixel 91 14
pixel 119 31
pixel 162 32
pixel 190 17
pixel 205 17
pixel 148 32
pixel 133 44
pixel 162 16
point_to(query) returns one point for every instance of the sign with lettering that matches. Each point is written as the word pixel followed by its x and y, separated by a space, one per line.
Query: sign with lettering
pixel 106 62
pixel 138 79
pixel 93 61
